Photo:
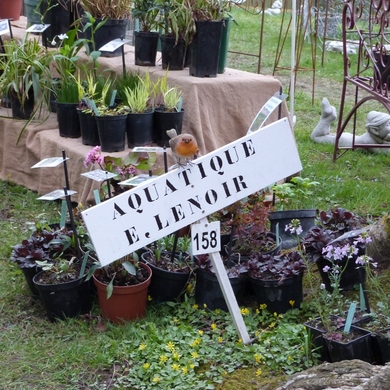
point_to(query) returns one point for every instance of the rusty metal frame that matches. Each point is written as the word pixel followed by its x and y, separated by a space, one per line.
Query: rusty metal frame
pixel 369 73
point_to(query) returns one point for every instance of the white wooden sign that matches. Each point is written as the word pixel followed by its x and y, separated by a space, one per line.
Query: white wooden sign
pixel 180 197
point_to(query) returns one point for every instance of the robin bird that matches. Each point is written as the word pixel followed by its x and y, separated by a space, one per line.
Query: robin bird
pixel 183 146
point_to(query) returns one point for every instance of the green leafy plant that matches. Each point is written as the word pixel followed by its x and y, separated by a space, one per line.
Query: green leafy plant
pixel 291 194
pixel 112 9
pixel 146 11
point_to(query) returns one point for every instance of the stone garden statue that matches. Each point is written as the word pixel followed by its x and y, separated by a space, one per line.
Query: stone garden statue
pixel 377 129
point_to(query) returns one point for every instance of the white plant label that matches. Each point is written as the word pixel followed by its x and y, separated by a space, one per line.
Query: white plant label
pixel 205 237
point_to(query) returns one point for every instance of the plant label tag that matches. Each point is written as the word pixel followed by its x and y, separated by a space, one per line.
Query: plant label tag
pixel 50 162
pixel 205 237
pixel 99 175
pixel 4 27
pixel 114 44
pixel 180 197
pixel 38 28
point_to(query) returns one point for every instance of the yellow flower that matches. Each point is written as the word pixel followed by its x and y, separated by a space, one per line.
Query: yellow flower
pixel 156 379
pixel 272 324
pixel 220 339
pixel 263 306
pixel 257 311
pixel 258 372
pixel 213 326
pixel 200 332
pixel 184 370
pixel 190 288
pixel 170 346
pixel 195 354
pixel 292 302
pixel 258 357
pixel 239 341
pixel 196 342
pixel 195 306
pixel 149 298
pixel 176 356
pixel 192 366
pixel 205 306
pixel 175 367
pixel 275 314
pixel 163 358
pixel 146 366
pixel 244 311
pixel 217 311
pixel 142 347
pixel 289 358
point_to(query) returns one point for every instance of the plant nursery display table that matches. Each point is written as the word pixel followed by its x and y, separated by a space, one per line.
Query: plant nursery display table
pixel 217 111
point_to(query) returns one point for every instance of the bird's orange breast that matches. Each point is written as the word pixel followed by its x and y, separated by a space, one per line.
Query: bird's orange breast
pixel 186 149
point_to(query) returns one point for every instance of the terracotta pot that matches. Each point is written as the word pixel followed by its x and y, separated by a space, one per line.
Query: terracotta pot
pixel 126 302
pixel 10 9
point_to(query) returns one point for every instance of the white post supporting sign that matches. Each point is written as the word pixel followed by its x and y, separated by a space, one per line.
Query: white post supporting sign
pixel 162 206
pixel 159 207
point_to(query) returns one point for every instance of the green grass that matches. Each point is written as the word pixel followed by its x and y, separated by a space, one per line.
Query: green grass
pixel 88 353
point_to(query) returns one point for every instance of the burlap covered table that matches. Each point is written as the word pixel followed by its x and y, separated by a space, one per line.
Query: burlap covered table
pixel 217 111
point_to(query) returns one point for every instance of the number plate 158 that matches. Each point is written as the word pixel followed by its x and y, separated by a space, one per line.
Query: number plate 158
pixel 206 238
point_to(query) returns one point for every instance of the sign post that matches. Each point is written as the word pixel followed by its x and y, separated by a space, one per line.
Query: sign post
pixel 161 206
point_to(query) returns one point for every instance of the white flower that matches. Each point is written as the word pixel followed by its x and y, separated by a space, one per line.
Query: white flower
pixel 62 36
pixel 53 42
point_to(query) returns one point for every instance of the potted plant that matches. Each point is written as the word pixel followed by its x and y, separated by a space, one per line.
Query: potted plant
pixel 277 280
pixel 63 288
pixel 249 228
pixel 141 112
pixel 326 237
pixel 11 9
pixel 168 112
pixel 172 267
pixel 205 46
pixel 25 76
pixel 179 30
pixel 122 288
pixel 104 21
pixel 287 200
pixel 68 95
pixel 111 119
pixel 37 247
pixel 125 168
pixel 146 39
pixel 207 288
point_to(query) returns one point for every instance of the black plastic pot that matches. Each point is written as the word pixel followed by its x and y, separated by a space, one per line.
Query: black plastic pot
pixel 358 348
pixel 172 54
pixel 164 121
pixel 316 339
pixel 68 120
pixel 205 48
pixel 381 340
pixel 284 218
pixel 88 128
pixel 145 48
pixel 57 14
pixel 208 290
pixel 278 296
pixel 112 132
pixel 140 128
pixel 166 286
pixel 110 30
pixel 66 300
pixel 29 274
pixel 22 111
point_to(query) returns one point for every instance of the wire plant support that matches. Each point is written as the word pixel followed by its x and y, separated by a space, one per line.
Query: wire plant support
pixel 367 74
